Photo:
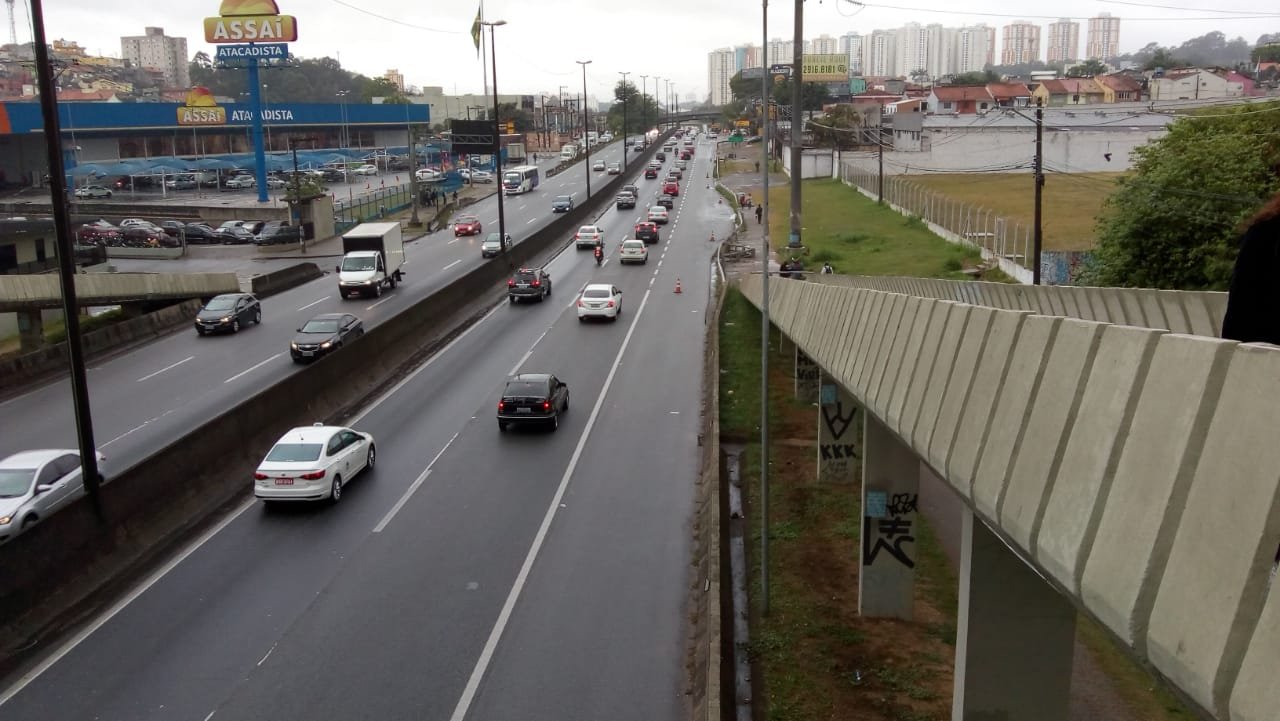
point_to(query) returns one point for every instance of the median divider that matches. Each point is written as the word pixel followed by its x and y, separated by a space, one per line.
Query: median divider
pixel 278 281
pixel 75 561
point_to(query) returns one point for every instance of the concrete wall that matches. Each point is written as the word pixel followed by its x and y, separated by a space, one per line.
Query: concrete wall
pixel 268 284
pixel 1080 151
pixel 1135 468
pixel 814 163
pixel 43 291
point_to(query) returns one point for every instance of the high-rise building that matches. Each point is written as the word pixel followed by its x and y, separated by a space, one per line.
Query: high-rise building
pixel 912 49
pixel 824 45
pixel 395 77
pixel 1104 37
pixel 746 56
pixel 781 51
pixel 1064 42
pixel 721 66
pixel 973 48
pixel 1021 43
pixel 156 51
pixel 851 47
pixel 991 45
pixel 880 54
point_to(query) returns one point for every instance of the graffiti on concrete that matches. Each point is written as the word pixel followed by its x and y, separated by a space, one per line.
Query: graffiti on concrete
pixel 887 526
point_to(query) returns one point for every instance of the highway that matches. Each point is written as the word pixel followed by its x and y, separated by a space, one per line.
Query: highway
pixel 151 395
pixel 473 574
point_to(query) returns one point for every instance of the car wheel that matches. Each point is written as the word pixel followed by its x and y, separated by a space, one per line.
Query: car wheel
pixel 199 331
pixel 371 458
pixel 566 400
pixel 393 282
pixel 29 521
pixel 555 422
pixel 377 290
pixel 502 427
pixel 257 317
pixel 335 490
pixel 511 299
pixel 235 325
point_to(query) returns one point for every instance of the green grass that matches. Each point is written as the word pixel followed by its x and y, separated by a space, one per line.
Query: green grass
pixel 1070 202
pixel 859 237
pixel 1147 698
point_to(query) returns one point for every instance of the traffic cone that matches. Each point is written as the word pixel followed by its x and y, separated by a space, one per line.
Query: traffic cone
pixel 678 286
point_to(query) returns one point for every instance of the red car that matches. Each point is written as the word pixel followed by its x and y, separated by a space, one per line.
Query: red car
pixel 466 225
pixel 650 173
pixel 671 188
pixel 99 232
pixel 646 231
pixel 686 154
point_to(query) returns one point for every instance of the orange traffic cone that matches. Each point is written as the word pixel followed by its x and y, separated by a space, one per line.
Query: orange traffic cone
pixel 678 286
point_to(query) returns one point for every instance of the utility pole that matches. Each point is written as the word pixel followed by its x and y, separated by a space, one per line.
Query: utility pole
pixel 797 123
pixel 764 317
pixel 414 220
pixel 880 153
pixel 585 140
pixel 1039 179
pixel 624 119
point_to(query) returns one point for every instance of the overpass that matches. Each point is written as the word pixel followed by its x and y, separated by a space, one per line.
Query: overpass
pixel 33 292
pixel 1114 457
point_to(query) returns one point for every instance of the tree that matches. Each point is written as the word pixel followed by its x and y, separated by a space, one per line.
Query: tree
pixel 1163 58
pixel 976 77
pixel 1266 53
pixel 1175 222
pixel 627 92
pixel 310 80
pixel 837 128
pixel 202 60
pixel 1087 69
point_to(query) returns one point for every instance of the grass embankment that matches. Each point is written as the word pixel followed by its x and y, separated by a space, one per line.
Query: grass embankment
pixel 1071 202
pixel 858 237
pixel 815 657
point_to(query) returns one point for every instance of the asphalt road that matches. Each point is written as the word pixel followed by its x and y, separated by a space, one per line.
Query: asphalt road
pixel 153 394
pixel 473 574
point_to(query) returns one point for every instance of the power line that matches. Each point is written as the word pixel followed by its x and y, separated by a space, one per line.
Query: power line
pixel 1048 17
pixel 397 22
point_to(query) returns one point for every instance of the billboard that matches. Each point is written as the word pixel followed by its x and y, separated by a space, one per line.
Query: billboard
pixel 826 68
pixel 473 136
pixel 250 21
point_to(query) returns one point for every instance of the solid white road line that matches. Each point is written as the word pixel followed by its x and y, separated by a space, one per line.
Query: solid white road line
pixel 166 368
pixel 253 368
pixel 531 221
pixel 375 305
pixel 459 260
pixel 413 487
pixel 452 241
pixel 314 302
pixel 504 616
pixel 119 606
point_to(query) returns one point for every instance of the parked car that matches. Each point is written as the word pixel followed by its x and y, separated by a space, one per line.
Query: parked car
pixel 142 237
pixel 562 204
pixel 240 181
pixel 132 222
pixel 235 235
pixel 588 236
pixel 528 283
pixel 99 232
pixel 324 334
pixel 36 484
pixel 313 463
pixel 533 398
pixel 333 175
pixel 647 231
pixel 467 225
pixel 277 183
pixel 599 300
pixel 659 215
pixel 633 251
pixel 226 313
pixel 276 232
pixel 481 176
pixel 366 169
pixel 174 228
pixel 201 233
pixel 181 182
pixel 93 191
pixel 426 174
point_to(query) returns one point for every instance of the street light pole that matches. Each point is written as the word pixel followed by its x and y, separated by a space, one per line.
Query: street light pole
pixel 624 119
pixel 585 141
pixel 497 137
pixel 644 108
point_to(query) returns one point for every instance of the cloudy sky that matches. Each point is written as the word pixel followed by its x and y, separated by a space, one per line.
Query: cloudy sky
pixel 430 43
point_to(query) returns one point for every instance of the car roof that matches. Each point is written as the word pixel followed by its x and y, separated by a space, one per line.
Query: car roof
pixel 37 457
pixel 465 218
pixel 310 434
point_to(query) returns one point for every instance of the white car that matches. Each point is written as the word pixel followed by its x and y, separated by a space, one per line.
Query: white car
pixel 481 176
pixel 276 183
pixel 313 463
pixel 633 251
pixel 93 191
pixel 599 300
pixel 241 181
pixel 588 236
pixel 35 484
pixel 427 174
pixel 366 170
pixel 598 165
pixel 659 214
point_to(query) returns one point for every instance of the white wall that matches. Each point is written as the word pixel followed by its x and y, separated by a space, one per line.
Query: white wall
pixel 1075 151
pixel 818 163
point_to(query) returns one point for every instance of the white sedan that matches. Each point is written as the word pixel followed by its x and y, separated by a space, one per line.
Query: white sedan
pixel 36 484
pixel 481 176
pixel 599 300
pixel 427 174
pixel 659 214
pixel 313 463
pixel 366 170
pixel 588 236
pixel 633 251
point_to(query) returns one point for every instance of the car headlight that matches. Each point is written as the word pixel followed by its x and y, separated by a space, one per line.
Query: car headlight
pixel 293 346
pixel 326 344
pixel 225 319
pixel 4 520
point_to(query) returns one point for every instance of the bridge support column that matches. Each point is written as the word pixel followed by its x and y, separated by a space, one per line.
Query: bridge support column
pixel 837 430
pixel 30 330
pixel 890 499
pixel 1015 636
pixel 808 376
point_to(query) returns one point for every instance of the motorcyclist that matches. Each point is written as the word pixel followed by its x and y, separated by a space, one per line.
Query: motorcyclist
pixel 599 253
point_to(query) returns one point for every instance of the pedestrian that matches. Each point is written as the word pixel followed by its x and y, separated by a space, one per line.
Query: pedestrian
pixel 757 166
pixel 759 214
pixel 1253 300
pixel 827 269
pixel 455 196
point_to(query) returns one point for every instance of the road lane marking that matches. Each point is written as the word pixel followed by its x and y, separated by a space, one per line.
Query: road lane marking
pixel 314 302
pixel 459 260
pixel 413 487
pixel 253 368
pixel 375 305
pixel 504 616
pixel 66 648
pixel 267 656
pixel 452 241
pixel 531 221
pixel 525 357
pixel 166 368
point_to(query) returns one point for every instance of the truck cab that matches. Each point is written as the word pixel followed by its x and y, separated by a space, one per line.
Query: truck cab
pixel 372 261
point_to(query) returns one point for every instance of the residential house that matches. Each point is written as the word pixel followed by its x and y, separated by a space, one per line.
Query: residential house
pixel 1069 91
pixel 1194 84
pixel 908 131
pixel 1248 86
pixel 960 99
pixel 1119 88
pixel 910 105
pixel 876 97
pixel 1010 95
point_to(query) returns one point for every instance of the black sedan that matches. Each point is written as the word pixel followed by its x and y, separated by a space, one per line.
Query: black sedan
pixel 173 228
pixel 536 398
pixel 201 233
pixel 235 235
pixel 324 334
pixel 227 313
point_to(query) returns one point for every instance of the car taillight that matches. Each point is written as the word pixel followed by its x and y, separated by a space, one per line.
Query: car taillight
pixel 546 405
pixel 537 284
pixel 501 406
pixel 610 304
pixel 312 476
pixel 259 476
pixel 579 302
pixel 511 284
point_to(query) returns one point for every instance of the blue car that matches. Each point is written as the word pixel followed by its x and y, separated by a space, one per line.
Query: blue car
pixel 562 204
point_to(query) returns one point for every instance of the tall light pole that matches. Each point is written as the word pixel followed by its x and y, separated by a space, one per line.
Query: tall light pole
pixel 343 139
pixel 764 316
pixel 657 101
pixel 797 124
pixel 585 143
pixel 644 108
pixel 560 114
pixel 624 119
pixel 497 137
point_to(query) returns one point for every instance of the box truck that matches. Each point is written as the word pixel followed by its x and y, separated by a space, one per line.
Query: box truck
pixel 372 259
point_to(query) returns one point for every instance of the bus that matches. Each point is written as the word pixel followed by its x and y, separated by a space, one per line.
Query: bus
pixel 520 179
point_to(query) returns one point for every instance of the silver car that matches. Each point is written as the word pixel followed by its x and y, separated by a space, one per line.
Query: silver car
pixel 36 484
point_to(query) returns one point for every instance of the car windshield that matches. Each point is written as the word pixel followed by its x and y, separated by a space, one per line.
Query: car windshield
pixel 368 262
pixel 466 219
pixel 221 304
pixel 587 230
pixel 294 452
pixel 511 177
pixel 16 482
pixel 596 293
pixel 562 198
pixel 321 325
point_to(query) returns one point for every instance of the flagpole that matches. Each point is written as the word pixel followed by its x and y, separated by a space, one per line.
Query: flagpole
pixel 484 65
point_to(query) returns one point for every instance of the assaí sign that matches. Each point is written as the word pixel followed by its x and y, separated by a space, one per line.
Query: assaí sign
pixel 201 109
pixel 250 21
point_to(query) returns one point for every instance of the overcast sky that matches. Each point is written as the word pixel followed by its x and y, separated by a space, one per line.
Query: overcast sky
pixel 430 43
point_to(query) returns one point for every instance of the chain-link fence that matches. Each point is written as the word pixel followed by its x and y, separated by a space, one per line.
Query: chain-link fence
pixel 381 202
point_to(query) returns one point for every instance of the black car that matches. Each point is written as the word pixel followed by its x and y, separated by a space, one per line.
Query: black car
pixel 331 175
pixel 533 398
pixel 665 201
pixel 562 204
pixel 529 283
pixel 173 228
pixel 324 334
pixel 201 233
pixel 235 235
pixel 142 237
pixel 278 231
pixel 227 312
pixel 661 155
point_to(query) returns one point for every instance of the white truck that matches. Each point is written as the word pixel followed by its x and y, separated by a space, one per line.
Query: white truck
pixel 568 152
pixel 372 260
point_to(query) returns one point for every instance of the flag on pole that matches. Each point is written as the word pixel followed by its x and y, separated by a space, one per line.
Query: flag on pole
pixel 475 28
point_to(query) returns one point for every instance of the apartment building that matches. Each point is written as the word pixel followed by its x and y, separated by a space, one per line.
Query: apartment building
pixel 1063 42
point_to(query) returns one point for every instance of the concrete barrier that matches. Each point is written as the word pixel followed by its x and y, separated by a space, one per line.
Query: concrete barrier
pixel 28 292
pixel 145 253
pixel 959 386
pixel 268 284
